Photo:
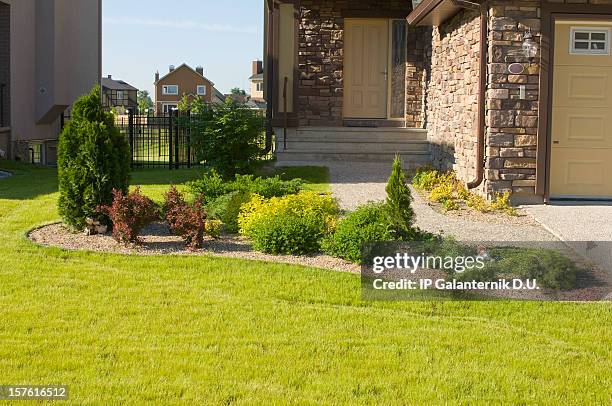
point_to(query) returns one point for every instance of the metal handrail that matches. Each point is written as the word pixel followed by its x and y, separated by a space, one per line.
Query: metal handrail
pixel 286 121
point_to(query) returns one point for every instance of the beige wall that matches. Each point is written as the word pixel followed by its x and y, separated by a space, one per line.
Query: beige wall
pixel 55 46
pixel 255 94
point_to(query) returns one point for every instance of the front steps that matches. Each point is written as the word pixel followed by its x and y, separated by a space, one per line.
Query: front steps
pixel 352 144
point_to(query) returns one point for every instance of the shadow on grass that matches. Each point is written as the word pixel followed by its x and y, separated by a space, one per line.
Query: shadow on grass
pixel 27 181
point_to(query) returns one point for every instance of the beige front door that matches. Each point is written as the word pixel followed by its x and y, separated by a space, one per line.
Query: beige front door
pixel 581 158
pixel 366 58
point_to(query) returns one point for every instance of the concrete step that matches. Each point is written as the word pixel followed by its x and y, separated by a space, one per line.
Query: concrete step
pixel 410 158
pixel 355 146
pixel 348 134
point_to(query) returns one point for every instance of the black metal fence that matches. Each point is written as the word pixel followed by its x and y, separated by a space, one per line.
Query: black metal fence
pixel 163 140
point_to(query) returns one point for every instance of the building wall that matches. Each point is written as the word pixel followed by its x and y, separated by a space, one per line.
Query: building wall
pixel 256 94
pixel 451 87
pixel 321 48
pixel 418 66
pixel 5 64
pixel 187 81
pixel 65 62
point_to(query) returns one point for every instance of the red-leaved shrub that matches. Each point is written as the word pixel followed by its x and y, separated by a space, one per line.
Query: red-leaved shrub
pixel 188 221
pixel 129 214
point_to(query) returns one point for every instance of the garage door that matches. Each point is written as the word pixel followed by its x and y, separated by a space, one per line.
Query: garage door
pixel 581 160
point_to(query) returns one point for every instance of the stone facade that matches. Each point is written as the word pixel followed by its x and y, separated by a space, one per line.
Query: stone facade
pixel 451 96
pixel 5 62
pixel 321 49
pixel 418 64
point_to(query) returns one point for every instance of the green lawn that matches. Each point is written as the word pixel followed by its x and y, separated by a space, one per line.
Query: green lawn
pixel 200 330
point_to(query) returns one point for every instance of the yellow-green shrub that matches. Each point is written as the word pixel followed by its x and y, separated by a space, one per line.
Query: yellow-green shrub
pixel 502 203
pixel 294 224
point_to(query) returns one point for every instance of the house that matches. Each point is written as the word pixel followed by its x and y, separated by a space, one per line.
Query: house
pixel 40 75
pixel 118 94
pixel 183 81
pixel 513 95
pixel 257 101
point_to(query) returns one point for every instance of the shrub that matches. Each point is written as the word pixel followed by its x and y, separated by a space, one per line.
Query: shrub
pixel 185 220
pixel 93 159
pixel 425 178
pixel 399 199
pixel 227 208
pixel 227 137
pixel 502 203
pixel 213 228
pixel 129 214
pixel 212 186
pixel 294 224
pixel 366 224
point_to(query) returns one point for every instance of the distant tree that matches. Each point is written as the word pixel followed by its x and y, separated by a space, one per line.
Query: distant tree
pixel 238 91
pixel 144 100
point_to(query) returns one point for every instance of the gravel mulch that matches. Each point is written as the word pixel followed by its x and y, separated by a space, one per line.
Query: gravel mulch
pixel 157 240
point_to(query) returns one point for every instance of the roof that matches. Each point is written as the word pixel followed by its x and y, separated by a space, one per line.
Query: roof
pixel 116 84
pixel 435 12
pixel 258 76
pixel 218 94
pixel 184 65
pixel 256 104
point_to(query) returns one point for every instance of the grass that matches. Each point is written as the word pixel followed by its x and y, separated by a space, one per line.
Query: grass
pixel 167 330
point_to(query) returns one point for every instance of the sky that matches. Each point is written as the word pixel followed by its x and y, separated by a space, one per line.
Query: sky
pixel 143 36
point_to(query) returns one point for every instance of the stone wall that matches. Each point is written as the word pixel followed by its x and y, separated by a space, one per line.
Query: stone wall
pixel 418 64
pixel 5 50
pixel 452 94
pixel 321 48
pixel 511 121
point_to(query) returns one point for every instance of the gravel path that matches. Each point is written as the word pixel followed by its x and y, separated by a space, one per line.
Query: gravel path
pixel 359 183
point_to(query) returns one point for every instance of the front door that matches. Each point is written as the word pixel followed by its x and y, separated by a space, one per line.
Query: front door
pixel 581 155
pixel 366 58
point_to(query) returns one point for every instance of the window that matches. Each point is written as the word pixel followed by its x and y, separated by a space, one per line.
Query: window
pixel 168 108
pixel 170 89
pixel 120 94
pixel 590 41
pixel 35 153
pixel 260 87
pixel 202 90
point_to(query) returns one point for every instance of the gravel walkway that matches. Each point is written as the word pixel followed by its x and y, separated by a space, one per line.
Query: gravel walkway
pixel 358 183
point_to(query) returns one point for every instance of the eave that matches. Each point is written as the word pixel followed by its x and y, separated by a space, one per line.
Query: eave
pixel 435 12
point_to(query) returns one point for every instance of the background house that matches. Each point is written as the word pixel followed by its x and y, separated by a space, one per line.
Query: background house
pixel 257 101
pixel 118 94
pixel 181 81
pixel 49 56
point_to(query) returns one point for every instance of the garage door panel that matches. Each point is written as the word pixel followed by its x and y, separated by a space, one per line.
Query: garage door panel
pixel 581 172
pixel 581 153
pixel 584 86
pixel 582 127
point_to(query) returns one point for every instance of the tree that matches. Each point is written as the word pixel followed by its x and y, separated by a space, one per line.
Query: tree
pixel 236 91
pixel 399 211
pixel 93 159
pixel 144 100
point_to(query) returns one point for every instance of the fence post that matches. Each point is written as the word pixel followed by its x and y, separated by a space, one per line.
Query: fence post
pixel 131 135
pixel 170 139
pixel 177 157
pixel 189 139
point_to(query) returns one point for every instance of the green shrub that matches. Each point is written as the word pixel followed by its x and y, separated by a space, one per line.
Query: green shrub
pixel 294 224
pixel 366 224
pixel 93 159
pixel 226 208
pixel 209 187
pixel 401 217
pixel 227 137
pixel 212 186
pixel 425 178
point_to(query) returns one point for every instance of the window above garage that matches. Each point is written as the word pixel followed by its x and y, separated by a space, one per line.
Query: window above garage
pixel 590 41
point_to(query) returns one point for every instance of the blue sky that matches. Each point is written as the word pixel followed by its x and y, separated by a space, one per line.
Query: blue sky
pixel 142 36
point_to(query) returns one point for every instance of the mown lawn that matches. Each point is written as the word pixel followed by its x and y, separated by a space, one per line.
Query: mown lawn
pixel 200 330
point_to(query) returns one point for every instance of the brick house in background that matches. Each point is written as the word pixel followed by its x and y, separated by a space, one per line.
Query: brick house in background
pixel 257 101
pixel 40 75
pixel 472 80
pixel 181 81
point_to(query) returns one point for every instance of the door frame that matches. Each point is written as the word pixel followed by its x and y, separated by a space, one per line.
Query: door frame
pixel 552 12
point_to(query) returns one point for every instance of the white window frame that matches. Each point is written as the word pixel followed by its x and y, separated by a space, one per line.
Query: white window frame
pixel 259 86
pixel 166 90
pixel 168 107
pixel 590 30
pixel 203 93
pixel 120 94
